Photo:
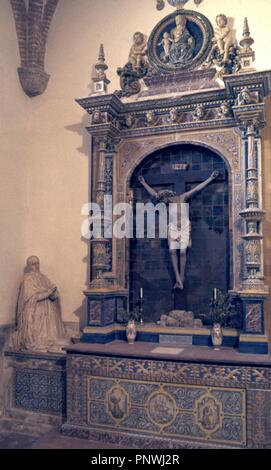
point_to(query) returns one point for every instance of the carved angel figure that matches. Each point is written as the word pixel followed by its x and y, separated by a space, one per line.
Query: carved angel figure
pixel 173 115
pixel 199 112
pixel 223 39
pixel 225 111
pixel 138 51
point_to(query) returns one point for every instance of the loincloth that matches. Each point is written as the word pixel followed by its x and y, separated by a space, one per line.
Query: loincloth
pixel 179 239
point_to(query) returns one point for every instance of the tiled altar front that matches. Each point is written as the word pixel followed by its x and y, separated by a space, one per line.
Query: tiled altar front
pixel 196 399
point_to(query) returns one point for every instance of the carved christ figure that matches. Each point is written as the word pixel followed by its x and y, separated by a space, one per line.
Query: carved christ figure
pixel 177 241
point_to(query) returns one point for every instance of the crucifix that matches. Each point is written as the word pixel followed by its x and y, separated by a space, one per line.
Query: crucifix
pixel 178 242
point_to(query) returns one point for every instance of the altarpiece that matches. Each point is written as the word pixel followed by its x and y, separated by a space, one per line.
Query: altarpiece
pixel 190 105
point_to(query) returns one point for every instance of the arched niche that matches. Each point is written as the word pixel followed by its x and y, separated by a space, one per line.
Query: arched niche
pixel 208 263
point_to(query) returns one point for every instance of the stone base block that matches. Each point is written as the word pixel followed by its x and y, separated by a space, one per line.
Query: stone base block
pixel 35 387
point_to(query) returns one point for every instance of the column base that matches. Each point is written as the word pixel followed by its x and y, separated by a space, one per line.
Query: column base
pixel 106 305
pixel 252 307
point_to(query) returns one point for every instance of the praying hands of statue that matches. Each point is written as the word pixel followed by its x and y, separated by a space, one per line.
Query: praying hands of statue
pixel 45 294
pixel 53 296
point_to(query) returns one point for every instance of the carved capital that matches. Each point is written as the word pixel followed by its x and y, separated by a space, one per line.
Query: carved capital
pixel 102 143
pixel 112 145
pixel 250 118
pixel 107 143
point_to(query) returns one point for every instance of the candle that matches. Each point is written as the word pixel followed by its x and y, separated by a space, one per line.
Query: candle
pixel 141 293
pixel 215 293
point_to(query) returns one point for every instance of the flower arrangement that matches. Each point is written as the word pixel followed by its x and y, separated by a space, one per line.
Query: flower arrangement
pixel 221 310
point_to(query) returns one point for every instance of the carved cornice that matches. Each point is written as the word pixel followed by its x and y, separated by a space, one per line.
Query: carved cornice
pixel 255 81
pixel 189 126
pixel 101 130
pixel 159 116
pixel 109 102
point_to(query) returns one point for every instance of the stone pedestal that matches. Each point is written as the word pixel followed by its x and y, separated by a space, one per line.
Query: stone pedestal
pixel 35 389
pixel 252 337
pixel 106 308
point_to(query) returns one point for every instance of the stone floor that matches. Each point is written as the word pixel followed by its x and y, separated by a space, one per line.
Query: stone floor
pixel 51 440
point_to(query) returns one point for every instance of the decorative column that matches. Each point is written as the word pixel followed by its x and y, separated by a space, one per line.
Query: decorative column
pixel 107 301
pixel 99 245
pixel 253 216
pixel 253 291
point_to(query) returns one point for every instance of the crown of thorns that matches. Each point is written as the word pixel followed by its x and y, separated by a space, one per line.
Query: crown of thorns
pixel 165 194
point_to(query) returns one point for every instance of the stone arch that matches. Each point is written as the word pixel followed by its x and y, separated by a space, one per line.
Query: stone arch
pixel 143 151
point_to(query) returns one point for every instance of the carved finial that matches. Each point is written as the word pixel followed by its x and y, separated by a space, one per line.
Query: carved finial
pixel 247 41
pixel 101 57
pixel 247 55
pixel 100 81
pixel 101 66
pixel 246 31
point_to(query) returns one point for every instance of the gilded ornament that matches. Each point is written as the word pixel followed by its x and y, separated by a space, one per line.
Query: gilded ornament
pixel 96 117
pixel 173 115
pixel 225 111
pixel 199 112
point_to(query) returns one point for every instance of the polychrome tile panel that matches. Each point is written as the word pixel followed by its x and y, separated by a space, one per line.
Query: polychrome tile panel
pixel 178 411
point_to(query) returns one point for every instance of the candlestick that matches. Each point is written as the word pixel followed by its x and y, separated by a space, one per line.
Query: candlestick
pixel 215 293
pixel 141 303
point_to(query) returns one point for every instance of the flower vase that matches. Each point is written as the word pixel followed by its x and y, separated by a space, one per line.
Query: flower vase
pixel 131 332
pixel 217 336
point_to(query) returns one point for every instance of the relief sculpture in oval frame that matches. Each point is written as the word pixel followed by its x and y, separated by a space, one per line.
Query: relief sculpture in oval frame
pixel 181 41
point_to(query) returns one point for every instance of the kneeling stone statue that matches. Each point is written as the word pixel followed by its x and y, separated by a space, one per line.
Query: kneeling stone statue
pixel 39 324
pixel 181 319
